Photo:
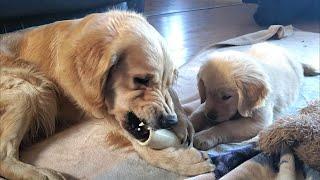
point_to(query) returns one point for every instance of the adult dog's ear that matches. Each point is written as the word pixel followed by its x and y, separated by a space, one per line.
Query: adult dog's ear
pixel 108 80
pixel 253 88
pixel 93 56
pixel 92 59
pixel 201 89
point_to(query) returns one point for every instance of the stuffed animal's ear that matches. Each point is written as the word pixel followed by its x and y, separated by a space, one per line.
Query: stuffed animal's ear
pixel 202 90
pixel 253 89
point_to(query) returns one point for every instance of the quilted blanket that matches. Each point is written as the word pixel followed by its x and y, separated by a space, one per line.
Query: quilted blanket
pixel 289 149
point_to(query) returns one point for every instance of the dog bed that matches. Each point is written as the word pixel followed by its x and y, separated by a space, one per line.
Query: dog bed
pixel 82 151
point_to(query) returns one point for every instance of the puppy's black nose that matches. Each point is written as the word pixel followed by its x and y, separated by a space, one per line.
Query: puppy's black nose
pixel 166 121
pixel 211 116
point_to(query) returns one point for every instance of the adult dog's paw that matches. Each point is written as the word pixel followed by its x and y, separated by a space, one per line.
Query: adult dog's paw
pixel 184 161
pixel 190 162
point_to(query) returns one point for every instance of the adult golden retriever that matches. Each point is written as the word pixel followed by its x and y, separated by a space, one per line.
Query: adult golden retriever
pixel 243 92
pixel 113 65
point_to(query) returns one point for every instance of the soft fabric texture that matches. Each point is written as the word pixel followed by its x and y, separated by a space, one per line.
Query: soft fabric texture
pixel 82 150
pixel 301 133
pixel 290 149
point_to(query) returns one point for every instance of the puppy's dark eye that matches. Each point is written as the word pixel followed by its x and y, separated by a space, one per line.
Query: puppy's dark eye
pixel 144 81
pixel 226 97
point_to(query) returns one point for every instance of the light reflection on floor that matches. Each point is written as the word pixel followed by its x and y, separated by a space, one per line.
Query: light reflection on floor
pixel 173 31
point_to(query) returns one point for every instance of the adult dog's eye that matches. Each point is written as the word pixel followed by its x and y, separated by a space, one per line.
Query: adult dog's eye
pixel 226 97
pixel 143 81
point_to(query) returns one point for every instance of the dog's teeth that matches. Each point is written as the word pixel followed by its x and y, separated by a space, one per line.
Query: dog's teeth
pixel 141 124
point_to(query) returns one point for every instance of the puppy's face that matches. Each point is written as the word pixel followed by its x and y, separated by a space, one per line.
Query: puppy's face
pixel 219 93
pixel 231 86
pixel 221 104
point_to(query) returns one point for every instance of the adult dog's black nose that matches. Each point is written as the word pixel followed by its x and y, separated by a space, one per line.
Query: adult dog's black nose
pixel 166 121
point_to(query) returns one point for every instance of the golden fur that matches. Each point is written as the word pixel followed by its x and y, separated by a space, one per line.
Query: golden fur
pixel 105 65
pixel 242 92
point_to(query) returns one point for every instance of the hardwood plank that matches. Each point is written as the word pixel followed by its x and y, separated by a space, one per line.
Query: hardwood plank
pixel 189 32
pixel 156 7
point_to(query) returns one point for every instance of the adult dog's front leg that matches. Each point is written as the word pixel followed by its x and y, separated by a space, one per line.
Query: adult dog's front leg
pixel 15 125
pixel 23 102
pixel 184 161
pixel 227 132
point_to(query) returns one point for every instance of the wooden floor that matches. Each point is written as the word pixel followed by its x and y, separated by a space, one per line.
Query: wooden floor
pixel 156 7
pixel 190 25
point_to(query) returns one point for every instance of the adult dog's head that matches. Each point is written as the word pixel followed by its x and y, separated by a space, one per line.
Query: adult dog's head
pixel 231 84
pixel 125 69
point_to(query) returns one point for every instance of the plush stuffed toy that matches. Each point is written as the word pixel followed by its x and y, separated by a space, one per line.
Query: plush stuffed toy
pixel 301 133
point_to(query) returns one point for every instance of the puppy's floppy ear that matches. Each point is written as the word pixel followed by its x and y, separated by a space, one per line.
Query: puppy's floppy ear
pixel 201 89
pixel 253 88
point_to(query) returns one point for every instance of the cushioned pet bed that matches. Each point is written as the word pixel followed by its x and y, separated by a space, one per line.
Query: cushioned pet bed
pixel 82 151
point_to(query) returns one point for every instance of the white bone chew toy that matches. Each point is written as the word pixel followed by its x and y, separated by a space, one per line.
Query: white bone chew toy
pixel 161 139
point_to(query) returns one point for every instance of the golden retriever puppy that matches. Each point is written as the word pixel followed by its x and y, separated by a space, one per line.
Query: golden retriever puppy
pixel 242 92
pixel 112 66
